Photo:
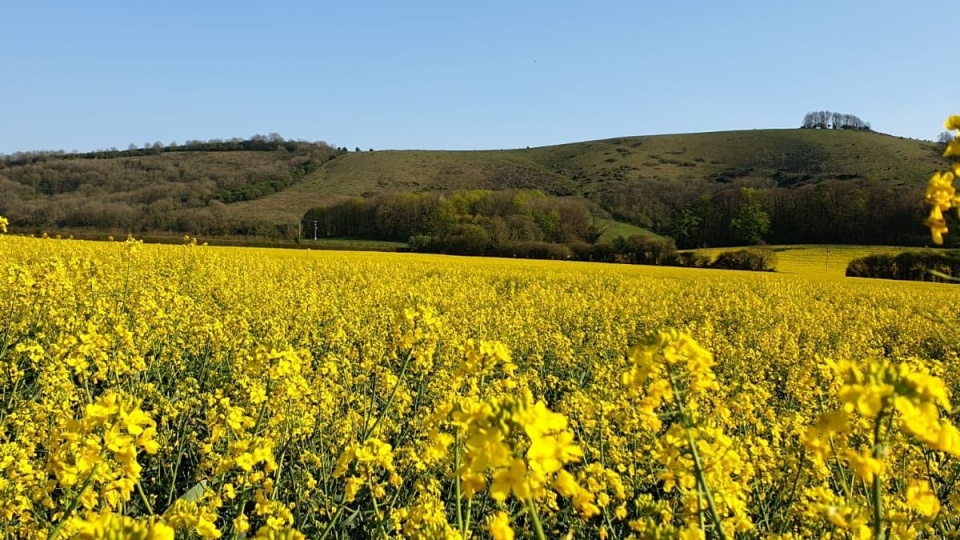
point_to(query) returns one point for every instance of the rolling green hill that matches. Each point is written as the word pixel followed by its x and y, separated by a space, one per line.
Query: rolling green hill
pixel 644 181
pixel 623 168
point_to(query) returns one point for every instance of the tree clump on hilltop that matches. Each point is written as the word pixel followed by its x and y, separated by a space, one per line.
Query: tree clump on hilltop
pixel 833 120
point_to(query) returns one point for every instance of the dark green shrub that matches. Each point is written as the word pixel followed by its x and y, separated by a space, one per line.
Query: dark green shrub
pixel 465 239
pixel 420 242
pixel 691 259
pixel 582 251
pixel 536 250
pixel 908 265
pixel 757 260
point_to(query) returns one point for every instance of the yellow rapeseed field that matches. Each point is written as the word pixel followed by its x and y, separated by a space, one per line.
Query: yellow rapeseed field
pixel 197 392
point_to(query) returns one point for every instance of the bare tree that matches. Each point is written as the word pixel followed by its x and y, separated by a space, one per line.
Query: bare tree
pixel 836 120
pixel 943 139
pixel 833 120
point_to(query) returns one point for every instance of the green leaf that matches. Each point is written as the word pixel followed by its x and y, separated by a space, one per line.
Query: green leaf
pixel 193 494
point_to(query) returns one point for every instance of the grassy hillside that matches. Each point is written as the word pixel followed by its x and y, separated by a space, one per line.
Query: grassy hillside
pixel 612 229
pixel 623 169
pixel 642 181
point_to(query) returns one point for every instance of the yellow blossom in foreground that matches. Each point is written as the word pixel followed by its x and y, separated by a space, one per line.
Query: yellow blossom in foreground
pixel 941 195
pixel 864 466
pixel 499 527
pixel 109 526
pixel 267 533
pixel 922 499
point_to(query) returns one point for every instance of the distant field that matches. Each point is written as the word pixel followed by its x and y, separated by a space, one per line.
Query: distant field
pixel 824 260
pixel 347 244
pixel 818 261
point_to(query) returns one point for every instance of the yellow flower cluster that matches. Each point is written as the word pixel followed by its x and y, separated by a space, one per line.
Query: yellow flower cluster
pixel 195 392
pixel 941 195
pixel 525 445
pixel 109 526
pixel 200 519
pixel 97 455
pixel 705 467
pixel 874 398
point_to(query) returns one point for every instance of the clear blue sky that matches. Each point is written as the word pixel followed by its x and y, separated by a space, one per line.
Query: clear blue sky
pixel 452 74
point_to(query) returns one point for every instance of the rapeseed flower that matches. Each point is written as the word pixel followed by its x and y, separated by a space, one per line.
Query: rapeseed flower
pixel 232 391
pixel 922 499
pixel 499 527
pixel 108 526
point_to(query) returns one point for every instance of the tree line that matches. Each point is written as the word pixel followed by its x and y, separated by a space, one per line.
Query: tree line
pixel 176 189
pixel 833 120
pixel 941 267
pixel 500 217
pixel 830 212
pixel 256 143
pixel 515 223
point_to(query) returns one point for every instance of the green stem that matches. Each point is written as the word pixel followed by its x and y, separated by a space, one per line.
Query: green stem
pixel 263 409
pixel 73 504
pixel 876 493
pixel 333 521
pixel 793 493
pixel 466 523
pixel 376 509
pixel 606 518
pixel 697 464
pixel 700 512
pixel 276 477
pixel 176 466
pixel 143 496
pixel 537 526
pixel 393 393
pixel 847 489
pixel 456 475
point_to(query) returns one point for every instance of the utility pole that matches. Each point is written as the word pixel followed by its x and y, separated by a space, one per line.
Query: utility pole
pixel 315 229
